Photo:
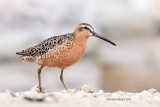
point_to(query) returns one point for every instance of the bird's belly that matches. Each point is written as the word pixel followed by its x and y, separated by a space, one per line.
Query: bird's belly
pixel 62 57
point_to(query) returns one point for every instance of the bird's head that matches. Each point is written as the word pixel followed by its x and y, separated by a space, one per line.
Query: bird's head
pixel 87 30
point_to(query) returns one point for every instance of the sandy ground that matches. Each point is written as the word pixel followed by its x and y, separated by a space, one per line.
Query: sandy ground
pixel 85 97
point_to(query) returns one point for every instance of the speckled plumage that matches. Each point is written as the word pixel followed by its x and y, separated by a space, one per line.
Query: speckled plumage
pixel 44 46
pixel 41 53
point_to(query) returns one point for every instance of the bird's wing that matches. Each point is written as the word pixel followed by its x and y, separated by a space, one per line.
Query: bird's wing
pixel 45 45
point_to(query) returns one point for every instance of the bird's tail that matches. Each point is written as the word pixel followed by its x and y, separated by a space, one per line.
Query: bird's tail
pixel 26 56
pixel 23 53
pixel 19 53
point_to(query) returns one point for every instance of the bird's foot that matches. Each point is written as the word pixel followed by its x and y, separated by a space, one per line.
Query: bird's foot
pixel 41 89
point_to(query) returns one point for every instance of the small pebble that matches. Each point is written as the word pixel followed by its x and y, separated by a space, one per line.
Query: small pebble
pixel 152 91
pixel 86 89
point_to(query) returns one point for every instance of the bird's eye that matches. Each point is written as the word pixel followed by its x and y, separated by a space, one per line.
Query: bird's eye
pixel 85 27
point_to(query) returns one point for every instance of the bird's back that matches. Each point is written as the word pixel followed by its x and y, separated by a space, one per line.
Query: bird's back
pixel 43 47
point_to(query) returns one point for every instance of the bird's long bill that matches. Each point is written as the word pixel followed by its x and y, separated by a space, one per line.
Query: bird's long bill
pixel 103 38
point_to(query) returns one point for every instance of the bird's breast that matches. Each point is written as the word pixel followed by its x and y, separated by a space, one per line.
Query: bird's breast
pixel 64 55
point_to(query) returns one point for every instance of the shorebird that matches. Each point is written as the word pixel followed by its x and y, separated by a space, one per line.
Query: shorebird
pixel 60 51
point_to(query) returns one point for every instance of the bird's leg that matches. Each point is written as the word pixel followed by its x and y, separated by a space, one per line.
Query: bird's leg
pixel 39 78
pixel 61 78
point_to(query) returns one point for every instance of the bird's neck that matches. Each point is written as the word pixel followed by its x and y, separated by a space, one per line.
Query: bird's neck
pixel 81 38
pixel 81 43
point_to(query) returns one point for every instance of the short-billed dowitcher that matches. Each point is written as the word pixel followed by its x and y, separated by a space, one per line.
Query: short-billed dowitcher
pixel 60 51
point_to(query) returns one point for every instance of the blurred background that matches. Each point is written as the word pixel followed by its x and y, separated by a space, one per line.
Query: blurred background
pixel 134 25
